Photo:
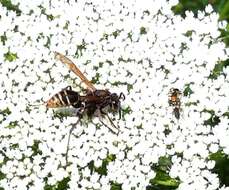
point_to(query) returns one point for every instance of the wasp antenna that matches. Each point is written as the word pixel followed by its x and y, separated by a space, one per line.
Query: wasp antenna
pixel 122 96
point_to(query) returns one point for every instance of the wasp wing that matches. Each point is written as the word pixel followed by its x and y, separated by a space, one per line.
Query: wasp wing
pixel 74 69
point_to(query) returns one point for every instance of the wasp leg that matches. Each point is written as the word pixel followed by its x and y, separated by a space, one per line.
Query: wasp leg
pixel 104 113
pixel 69 137
pixel 100 114
pixel 112 123
pixel 79 113
pixel 119 111
pixel 100 119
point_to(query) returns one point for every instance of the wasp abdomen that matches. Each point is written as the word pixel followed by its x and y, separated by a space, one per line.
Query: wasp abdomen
pixel 176 112
pixel 63 98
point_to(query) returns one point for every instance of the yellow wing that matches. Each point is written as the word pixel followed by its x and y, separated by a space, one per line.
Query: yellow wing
pixel 75 69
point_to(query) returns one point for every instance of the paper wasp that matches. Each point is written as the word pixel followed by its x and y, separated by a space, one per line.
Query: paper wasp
pixel 174 101
pixel 94 102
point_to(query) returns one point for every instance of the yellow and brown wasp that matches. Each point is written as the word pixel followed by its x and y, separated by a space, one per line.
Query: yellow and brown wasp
pixel 174 101
pixel 94 102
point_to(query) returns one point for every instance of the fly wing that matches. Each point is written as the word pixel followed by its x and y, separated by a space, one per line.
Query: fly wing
pixel 75 69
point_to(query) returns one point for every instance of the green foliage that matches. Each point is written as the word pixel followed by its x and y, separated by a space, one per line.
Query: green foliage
pixel 188 104
pixel 5 112
pixel 11 7
pixel 219 6
pixel 224 36
pixel 213 120
pixel 187 91
pixel 12 124
pixel 186 5
pixel 128 86
pixel 224 11
pixel 2 175
pixel 9 56
pixel 116 186
pixel 48 42
pixel 102 170
pixel 95 79
pixel 126 110
pixel 218 69
pixel 189 33
pixel 3 38
pixel 116 33
pixel 61 185
pixel 50 17
pixel 221 167
pixel 226 114
pixel 162 179
pixel 143 30
pixel 35 148
pixel 80 48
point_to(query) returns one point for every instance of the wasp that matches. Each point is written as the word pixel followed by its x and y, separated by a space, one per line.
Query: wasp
pixel 94 102
pixel 174 101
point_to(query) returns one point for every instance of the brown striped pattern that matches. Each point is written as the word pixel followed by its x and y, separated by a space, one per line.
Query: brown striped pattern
pixel 62 99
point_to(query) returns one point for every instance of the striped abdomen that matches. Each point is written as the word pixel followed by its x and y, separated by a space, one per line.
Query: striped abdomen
pixel 63 98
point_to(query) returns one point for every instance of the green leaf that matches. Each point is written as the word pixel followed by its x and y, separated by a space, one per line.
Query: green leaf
pixel 12 124
pixel 221 167
pixel 35 148
pixel 9 56
pixel 213 119
pixel 116 186
pixel 60 185
pixel 3 38
pixel 5 112
pixel 226 114
pixel 162 179
pixel 178 9
pixel 11 7
pixel 2 176
pixel 224 14
pixel 187 5
pixel 102 170
pixel 218 69
pixel 95 79
pixel 143 30
pixel 187 91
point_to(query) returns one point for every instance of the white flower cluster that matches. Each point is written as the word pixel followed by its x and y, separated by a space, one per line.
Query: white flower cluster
pixel 144 49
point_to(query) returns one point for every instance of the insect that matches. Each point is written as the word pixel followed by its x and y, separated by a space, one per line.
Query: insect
pixel 174 101
pixel 94 102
